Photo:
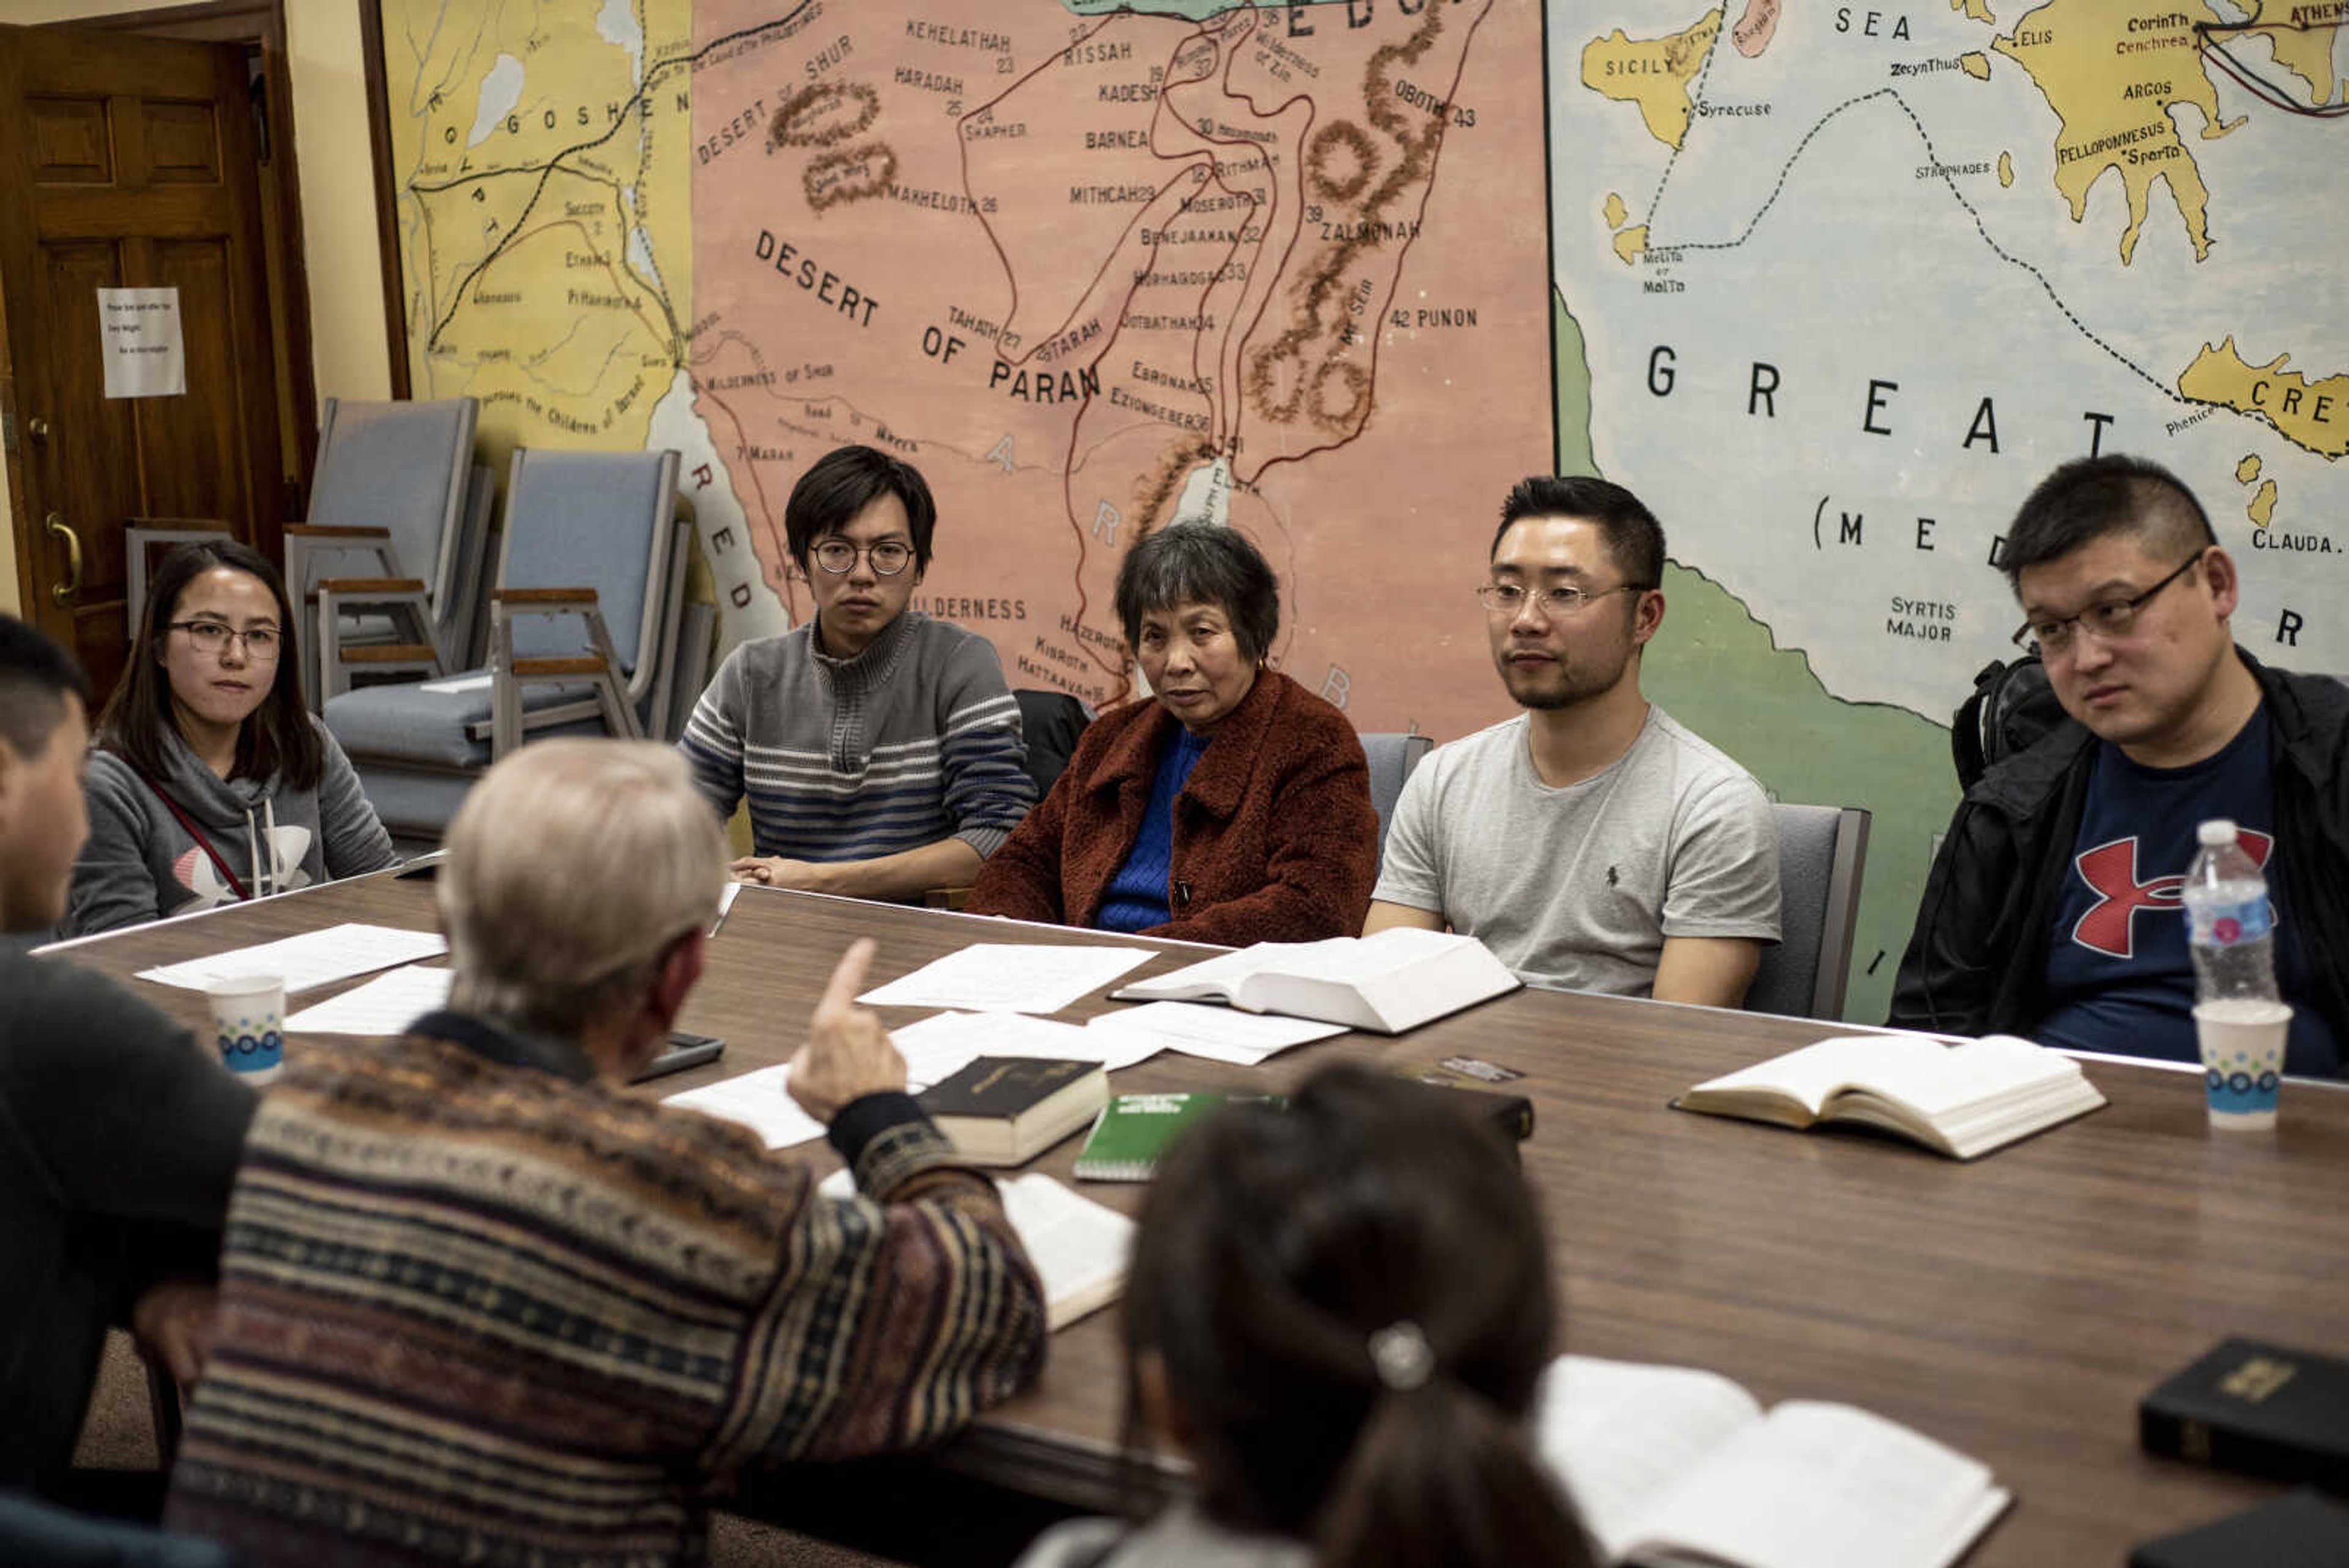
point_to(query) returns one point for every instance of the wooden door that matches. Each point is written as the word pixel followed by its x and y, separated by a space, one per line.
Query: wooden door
pixel 128 162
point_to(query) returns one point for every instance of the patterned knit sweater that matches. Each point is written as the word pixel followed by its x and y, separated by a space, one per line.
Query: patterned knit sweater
pixel 914 739
pixel 479 1305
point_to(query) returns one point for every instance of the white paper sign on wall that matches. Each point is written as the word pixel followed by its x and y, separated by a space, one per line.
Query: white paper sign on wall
pixel 139 340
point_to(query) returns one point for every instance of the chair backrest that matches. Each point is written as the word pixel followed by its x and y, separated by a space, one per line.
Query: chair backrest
pixel 401 466
pixel 1391 757
pixel 600 520
pixel 35 1534
pixel 1822 850
pixel 1051 724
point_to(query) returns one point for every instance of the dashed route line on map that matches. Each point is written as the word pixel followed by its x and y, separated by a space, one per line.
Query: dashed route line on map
pixel 652 74
pixel 1980 228
pixel 1696 96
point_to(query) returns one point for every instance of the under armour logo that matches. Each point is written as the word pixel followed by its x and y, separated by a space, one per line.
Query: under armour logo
pixel 2110 871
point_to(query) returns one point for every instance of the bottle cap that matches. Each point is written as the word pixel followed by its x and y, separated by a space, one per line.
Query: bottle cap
pixel 2215 832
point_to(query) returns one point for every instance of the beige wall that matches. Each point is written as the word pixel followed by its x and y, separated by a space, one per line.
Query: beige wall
pixel 9 601
pixel 337 176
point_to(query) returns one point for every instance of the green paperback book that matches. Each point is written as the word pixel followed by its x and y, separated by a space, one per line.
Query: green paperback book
pixel 1133 1131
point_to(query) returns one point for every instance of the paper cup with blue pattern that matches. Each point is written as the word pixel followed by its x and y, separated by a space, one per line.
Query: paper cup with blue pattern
pixel 249 1024
pixel 2242 1040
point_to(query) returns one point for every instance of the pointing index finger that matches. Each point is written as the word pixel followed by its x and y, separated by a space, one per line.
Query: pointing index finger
pixel 848 977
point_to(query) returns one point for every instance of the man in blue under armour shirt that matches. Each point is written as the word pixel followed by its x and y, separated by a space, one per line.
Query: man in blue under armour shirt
pixel 2054 908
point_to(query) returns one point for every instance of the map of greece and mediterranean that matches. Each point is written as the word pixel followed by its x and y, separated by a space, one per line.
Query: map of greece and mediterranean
pixel 1829 286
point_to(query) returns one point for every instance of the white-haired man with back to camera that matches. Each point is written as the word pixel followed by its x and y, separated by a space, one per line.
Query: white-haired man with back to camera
pixel 479 1302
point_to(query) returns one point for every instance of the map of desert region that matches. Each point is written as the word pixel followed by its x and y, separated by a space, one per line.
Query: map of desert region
pixel 1273 267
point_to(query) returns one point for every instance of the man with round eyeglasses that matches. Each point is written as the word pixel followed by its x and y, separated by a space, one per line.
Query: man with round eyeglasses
pixel 1591 842
pixel 2054 908
pixel 879 751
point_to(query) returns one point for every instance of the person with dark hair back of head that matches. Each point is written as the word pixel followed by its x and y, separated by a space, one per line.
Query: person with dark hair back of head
pixel 1592 841
pixel 212 782
pixel 1340 1314
pixel 2029 922
pixel 1233 807
pixel 880 750
pixel 117 1140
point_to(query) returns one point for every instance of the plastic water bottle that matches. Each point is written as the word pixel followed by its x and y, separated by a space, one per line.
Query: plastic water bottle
pixel 2239 1020
pixel 2230 923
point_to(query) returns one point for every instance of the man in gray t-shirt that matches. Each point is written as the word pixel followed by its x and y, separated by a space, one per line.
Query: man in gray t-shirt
pixel 1591 842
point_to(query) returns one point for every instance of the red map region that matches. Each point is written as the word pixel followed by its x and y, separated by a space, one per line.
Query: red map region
pixel 1287 269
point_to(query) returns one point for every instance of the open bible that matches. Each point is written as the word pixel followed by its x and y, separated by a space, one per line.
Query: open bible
pixel 1672 1465
pixel 1396 980
pixel 1960 1100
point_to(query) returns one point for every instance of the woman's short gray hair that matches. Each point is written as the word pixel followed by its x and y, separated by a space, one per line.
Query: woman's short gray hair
pixel 571 866
pixel 1200 562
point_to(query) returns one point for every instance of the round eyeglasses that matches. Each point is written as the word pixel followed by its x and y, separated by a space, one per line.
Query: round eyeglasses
pixel 260 643
pixel 888 557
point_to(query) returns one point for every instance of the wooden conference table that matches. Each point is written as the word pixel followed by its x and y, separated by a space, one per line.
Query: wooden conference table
pixel 2014 1308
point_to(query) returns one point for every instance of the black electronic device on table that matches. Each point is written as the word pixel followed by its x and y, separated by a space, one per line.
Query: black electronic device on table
pixel 685 1050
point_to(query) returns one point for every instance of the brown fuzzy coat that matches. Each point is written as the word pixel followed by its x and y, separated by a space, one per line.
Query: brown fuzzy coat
pixel 1275 837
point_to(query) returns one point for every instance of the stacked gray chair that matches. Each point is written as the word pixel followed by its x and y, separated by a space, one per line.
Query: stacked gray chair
pixel 1821 851
pixel 1391 758
pixel 589 634
pixel 391 554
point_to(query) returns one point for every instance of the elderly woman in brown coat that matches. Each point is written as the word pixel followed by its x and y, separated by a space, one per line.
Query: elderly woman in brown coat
pixel 1234 806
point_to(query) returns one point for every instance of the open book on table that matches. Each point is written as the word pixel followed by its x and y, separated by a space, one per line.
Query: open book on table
pixel 1672 1465
pixel 1960 1100
pixel 1082 1249
pixel 1396 980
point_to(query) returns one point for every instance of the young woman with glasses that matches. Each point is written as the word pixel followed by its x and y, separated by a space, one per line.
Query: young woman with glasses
pixel 211 782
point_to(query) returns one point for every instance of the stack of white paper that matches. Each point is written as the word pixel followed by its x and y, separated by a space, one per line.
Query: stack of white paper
pixel 1008 976
pixel 387 1005
pixel 1217 1033
pixel 312 959
pixel 759 1101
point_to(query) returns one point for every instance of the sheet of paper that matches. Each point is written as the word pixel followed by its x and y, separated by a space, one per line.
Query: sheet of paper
pixel 139 342
pixel 1008 976
pixel 312 959
pixel 387 1005
pixel 461 683
pixel 758 1101
pixel 940 1046
pixel 1217 1033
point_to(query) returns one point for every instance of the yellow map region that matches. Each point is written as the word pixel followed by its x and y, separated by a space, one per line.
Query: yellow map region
pixel 542 161
pixel 1975 64
pixel 2313 415
pixel 1653 73
pixel 2249 469
pixel 2262 511
pixel 2306 51
pixel 1978 10
pixel 2113 70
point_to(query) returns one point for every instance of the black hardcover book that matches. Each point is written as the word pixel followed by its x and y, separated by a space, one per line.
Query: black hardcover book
pixel 2256 1407
pixel 1004 1110
pixel 2302 1531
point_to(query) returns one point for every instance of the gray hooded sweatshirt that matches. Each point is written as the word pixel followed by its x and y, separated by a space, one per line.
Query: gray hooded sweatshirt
pixel 140 864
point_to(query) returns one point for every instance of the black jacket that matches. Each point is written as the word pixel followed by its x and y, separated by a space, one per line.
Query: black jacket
pixel 118 1141
pixel 1977 963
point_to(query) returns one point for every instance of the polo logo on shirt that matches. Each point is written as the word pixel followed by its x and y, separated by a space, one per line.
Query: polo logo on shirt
pixel 2110 871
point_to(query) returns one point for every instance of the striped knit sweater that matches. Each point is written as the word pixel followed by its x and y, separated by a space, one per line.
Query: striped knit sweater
pixel 478 1305
pixel 914 739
